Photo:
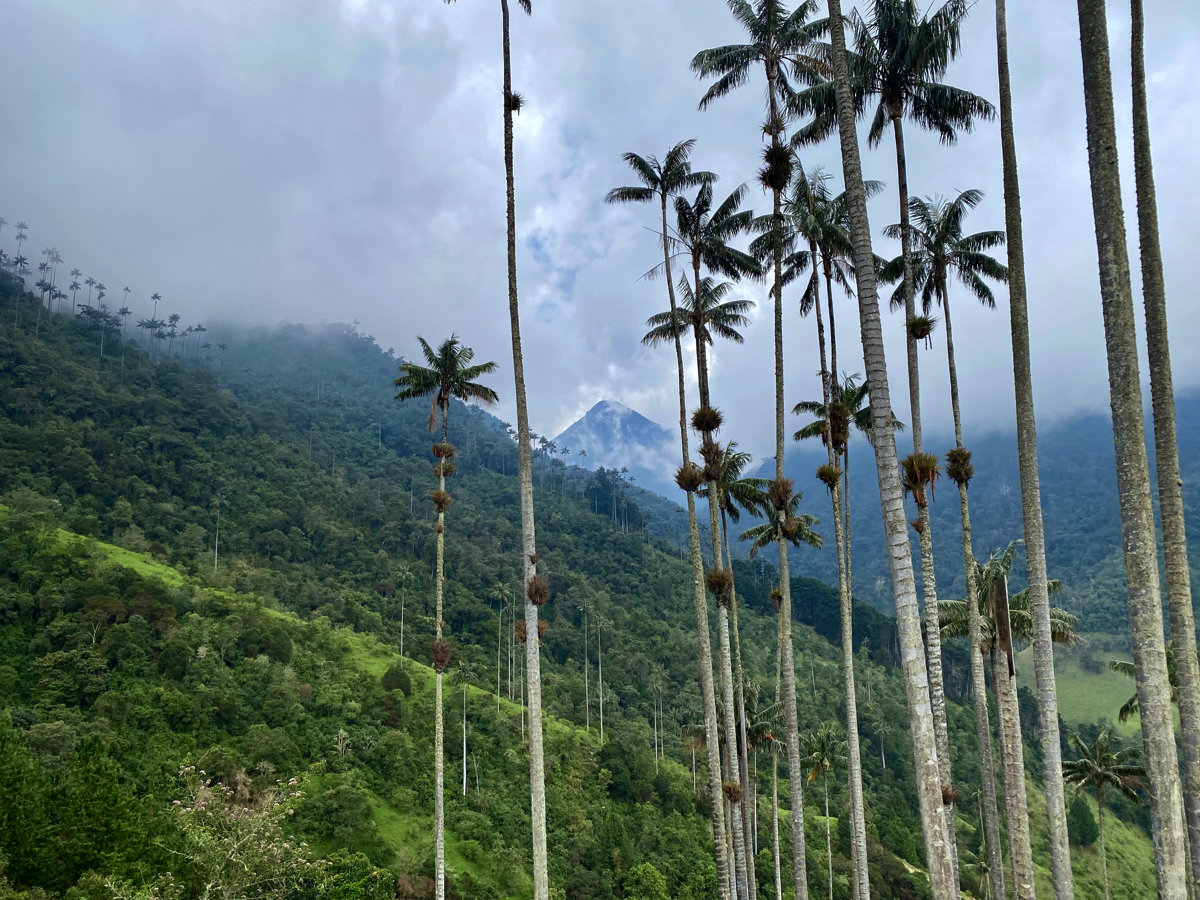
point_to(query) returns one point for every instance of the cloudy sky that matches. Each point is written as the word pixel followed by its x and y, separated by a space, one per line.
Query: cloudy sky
pixel 309 160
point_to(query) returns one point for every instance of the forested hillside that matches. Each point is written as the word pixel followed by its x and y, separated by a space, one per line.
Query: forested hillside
pixel 140 662
pixel 1083 527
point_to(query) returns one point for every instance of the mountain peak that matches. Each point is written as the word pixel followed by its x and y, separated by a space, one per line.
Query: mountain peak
pixel 616 436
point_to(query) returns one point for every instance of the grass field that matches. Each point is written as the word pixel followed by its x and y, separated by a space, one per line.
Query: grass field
pixel 1087 696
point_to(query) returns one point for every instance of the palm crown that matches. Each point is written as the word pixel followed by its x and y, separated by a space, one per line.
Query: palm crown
pixel 449 374
pixel 940 248
pixel 707 316
pixel 899 60
pixel 952 614
pixel 1101 765
pixel 660 179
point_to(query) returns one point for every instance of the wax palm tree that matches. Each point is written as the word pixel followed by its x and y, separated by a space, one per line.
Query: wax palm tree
pixel 703 233
pixel 667 180
pixel 448 374
pixel 735 493
pixel 1031 503
pixel 1166 448
pixel 708 314
pixel 464 674
pixel 1133 472
pixel 901 57
pixel 943 884
pixel 939 250
pixel 834 428
pixel 777 40
pixel 21 236
pixel 536 587
pixel 824 751
pixel 217 503
pixel 75 287
pixel 1100 766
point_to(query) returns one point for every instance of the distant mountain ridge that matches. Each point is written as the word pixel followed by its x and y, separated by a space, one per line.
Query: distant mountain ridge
pixel 1079 499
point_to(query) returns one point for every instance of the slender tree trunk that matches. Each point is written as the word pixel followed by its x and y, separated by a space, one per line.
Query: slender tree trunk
pixel 749 792
pixel 983 736
pixel 858 835
pixel 775 855
pixel 791 721
pixel 933 635
pixel 943 884
pixel 537 774
pixel 499 636
pixel 1031 493
pixel 600 674
pixel 464 742
pixel 983 731
pixel 833 369
pixel 828 839
pixel 1166 452
pixel 1103 851
pixel 733 769
pixel 1015 801
pixel 700 602
pixel 1133 473
pixel 587 696
pixel 439 726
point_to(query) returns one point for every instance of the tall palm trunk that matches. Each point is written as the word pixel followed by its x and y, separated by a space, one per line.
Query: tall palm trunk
pixel 700 602
pixel 1103 850
pixel 533 670
pixel 858 834
pixel 1166 452
pixel 439 725
pixel 983 731
pixel 1133 473
pixel 828 838
pixel 734 793
pixel 943 883
pixel 1020 850
pixel 749 791
pixel 464 741
pixel 775 857
pixel 1031 492
pixel 933 636
pixel 791 721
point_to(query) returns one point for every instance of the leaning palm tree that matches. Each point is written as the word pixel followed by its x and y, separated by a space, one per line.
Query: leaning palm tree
pixel 1166 448
pixel 824 751
pixel 448 375
pixel 1133 472
pixel 777 40
pixel 667 180
pixel 708 314
pixel 537 589
pixel 1101 765
pixel 943 883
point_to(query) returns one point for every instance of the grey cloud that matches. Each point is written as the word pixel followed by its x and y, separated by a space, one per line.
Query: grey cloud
pixel 322 160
